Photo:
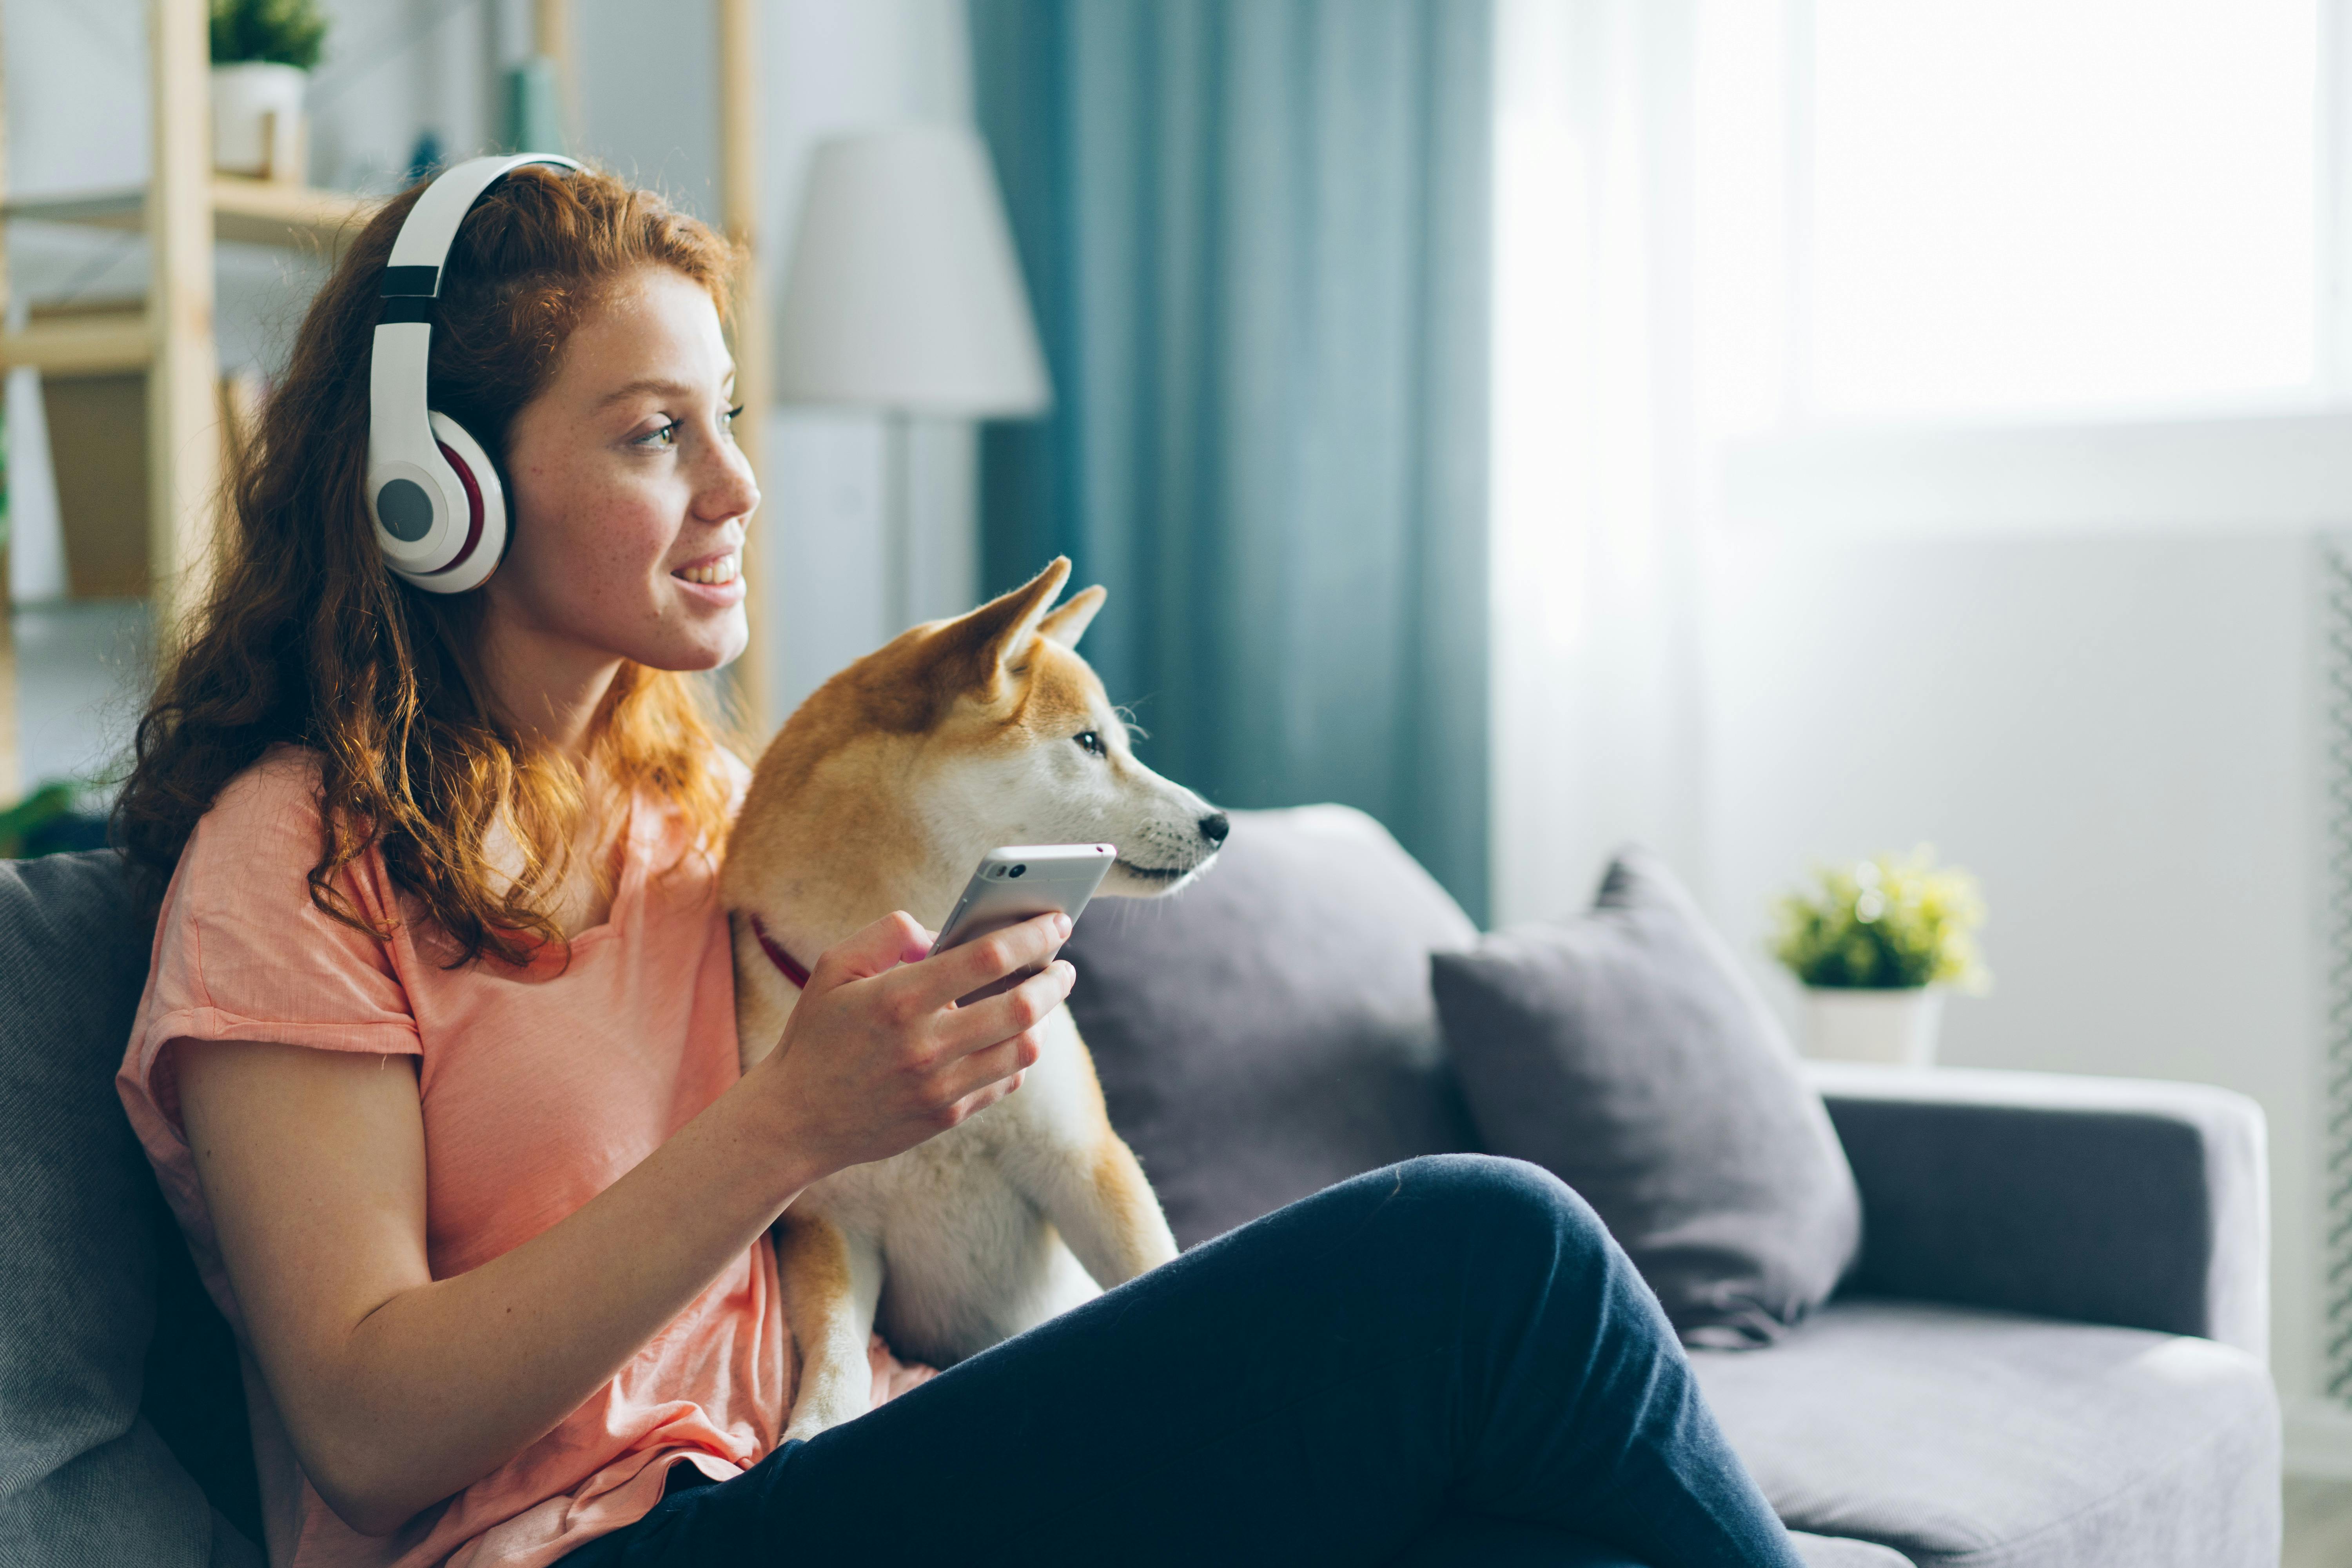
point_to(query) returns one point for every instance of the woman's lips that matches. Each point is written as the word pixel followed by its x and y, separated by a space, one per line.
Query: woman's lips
pixel 718 582
pixel 714 573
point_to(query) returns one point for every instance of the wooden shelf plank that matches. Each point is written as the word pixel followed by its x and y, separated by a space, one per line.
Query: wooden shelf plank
pixel 105 209
pixel 265 212
pixel 248 212
pixel 96 347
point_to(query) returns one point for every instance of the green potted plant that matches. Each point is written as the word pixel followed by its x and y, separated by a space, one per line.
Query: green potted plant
pixel 1877 945
pixel 262 54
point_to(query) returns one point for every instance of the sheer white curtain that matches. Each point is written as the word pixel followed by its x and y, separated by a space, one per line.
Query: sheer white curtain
pixel 1595 416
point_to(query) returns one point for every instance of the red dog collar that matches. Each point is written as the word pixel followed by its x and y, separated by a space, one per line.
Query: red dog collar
pixel 783 961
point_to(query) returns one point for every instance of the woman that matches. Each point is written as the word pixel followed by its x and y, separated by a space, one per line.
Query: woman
pixel 437 1064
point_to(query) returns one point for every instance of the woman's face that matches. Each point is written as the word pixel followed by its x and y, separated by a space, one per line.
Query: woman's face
pixel 629 498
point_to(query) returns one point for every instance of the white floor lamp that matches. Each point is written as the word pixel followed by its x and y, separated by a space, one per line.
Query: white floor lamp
pixel 905 297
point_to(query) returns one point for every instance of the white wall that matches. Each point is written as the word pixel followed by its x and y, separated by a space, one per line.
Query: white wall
pixel 2115 734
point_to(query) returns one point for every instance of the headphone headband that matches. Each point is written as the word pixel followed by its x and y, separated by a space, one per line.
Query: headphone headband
pixel 431 226
pixel 440 510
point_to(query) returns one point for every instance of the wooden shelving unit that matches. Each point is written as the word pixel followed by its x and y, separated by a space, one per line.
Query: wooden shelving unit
pixel 186 208
pixel 246 212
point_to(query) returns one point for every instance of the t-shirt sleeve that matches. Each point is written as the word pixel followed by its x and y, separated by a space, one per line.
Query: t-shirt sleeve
pixel 242 953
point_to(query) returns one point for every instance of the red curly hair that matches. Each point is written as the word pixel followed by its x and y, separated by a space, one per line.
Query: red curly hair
pixel 305 637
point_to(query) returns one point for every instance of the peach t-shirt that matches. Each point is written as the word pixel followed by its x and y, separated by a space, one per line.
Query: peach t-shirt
pixel 540 1087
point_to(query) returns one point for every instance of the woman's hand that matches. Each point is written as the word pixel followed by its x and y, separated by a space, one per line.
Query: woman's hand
pixel 877 1057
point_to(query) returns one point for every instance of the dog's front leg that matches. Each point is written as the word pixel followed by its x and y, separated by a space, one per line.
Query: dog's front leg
pixel 1078 1173
pixel 831 1277
pixel 1095 1195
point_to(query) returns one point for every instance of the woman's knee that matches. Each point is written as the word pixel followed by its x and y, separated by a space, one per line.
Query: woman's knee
pixel 1484 1193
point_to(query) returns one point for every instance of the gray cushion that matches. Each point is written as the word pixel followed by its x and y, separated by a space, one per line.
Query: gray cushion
pixel 1268 1031
pixel 1960 1435
pixel 1624 1052
pixel 84 1477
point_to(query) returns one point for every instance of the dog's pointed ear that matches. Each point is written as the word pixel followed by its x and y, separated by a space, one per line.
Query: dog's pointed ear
pixel 980 645
pixel 1067 624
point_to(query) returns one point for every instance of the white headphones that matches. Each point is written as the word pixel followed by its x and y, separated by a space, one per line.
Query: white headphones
pixel 440 514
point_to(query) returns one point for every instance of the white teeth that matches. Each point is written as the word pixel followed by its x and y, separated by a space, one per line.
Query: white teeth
pixel 726 569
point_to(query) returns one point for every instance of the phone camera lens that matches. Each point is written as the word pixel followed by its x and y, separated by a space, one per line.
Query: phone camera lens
pixel 1016 870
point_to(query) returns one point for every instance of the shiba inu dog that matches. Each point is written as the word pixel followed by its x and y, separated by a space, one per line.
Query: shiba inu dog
pixel 881 792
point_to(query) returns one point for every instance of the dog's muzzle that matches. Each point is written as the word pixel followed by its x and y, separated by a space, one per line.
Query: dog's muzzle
pixel 1213 829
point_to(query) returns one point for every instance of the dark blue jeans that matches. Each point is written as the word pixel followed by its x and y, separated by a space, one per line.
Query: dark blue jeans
pixel 1448 1360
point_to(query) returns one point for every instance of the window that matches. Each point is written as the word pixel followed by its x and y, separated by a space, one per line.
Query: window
pixel 2019 207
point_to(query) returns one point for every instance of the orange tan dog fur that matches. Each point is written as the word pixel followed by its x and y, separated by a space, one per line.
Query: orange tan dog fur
pixel 881 794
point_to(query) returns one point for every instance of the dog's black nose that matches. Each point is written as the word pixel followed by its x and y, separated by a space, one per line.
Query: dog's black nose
pixel 1214 826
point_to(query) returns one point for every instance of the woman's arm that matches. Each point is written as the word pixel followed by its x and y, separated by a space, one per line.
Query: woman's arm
pixel 398 1389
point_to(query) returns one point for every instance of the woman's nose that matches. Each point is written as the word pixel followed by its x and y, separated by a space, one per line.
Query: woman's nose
pixel 729 488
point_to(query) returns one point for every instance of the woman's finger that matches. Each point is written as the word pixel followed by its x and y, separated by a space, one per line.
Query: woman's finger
pixel 978 1100
pixel 995 1018
pixel 960 971
pixel 998 1066
pixel 894 939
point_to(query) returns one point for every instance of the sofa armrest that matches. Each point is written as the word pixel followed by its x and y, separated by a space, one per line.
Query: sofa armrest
pixel 2123 1201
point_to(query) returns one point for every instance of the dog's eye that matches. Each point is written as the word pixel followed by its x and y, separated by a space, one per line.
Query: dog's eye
pixel 1089 742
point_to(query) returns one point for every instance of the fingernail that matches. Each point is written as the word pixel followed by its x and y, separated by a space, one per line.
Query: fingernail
pixel 1062 923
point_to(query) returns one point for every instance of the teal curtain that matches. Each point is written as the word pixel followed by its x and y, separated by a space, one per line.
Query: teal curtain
pixel 1257 236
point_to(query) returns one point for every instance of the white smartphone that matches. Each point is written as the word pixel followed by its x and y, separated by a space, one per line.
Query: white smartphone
pixel 1019 882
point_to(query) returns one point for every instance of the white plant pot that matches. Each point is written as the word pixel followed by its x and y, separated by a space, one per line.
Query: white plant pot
pixel 257 118
pixel 1898 1028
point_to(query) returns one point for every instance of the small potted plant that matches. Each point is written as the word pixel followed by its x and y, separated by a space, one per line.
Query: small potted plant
pixel 262 54
pixel 1877 945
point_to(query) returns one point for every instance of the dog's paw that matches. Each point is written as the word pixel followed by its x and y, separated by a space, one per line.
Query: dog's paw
pixel 802 1428
pixel 821 1409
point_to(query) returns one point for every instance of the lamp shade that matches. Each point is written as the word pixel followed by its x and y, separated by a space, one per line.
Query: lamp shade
pixel 904 292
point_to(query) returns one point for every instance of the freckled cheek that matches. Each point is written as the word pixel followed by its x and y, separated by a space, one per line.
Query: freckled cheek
pixel 598 548
pixel 552 522
pixel 629 556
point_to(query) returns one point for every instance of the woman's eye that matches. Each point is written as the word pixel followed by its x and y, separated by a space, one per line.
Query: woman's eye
pixel 1089 742
pixel 664 437
pixel 732 413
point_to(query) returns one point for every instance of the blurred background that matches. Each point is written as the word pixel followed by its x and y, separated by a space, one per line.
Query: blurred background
pixel 1776 430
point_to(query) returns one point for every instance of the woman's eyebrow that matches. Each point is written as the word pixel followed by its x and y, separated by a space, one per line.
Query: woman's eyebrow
pixel 659 386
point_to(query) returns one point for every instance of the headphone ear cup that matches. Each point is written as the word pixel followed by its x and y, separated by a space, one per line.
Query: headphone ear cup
pixel 486 512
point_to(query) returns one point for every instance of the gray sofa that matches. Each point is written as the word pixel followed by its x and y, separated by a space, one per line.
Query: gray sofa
pixel 2050 1352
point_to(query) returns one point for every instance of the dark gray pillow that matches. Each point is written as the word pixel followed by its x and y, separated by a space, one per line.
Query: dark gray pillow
pixel 102 1391
pixel 1268 1031
pixel 1625 1052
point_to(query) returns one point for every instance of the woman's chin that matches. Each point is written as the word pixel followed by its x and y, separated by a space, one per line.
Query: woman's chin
pixel 714 644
